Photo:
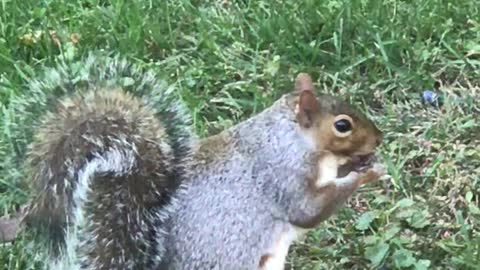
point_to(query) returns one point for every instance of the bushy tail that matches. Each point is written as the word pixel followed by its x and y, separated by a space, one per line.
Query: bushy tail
pixel 102 161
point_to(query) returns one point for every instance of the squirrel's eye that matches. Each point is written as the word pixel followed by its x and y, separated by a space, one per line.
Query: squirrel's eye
pixel 343 125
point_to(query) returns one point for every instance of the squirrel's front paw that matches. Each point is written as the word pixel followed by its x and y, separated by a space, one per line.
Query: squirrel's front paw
pixel 379 169
pixel 373 174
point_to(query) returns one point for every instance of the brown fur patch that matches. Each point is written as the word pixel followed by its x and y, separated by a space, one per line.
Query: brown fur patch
pixel 211 148
pixel 316 114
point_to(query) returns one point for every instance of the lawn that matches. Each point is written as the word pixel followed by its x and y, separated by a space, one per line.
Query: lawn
pixel 242 55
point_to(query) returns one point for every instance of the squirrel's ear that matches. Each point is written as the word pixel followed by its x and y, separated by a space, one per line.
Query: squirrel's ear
pixel 307 105
pixel 303 82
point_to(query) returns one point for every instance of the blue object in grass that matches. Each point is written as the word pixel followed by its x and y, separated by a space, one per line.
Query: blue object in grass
pixel 431 98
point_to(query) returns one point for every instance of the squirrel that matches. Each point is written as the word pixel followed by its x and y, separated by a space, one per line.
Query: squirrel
pixel 120 181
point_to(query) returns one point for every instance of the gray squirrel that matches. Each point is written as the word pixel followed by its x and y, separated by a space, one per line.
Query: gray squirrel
pixel 120 181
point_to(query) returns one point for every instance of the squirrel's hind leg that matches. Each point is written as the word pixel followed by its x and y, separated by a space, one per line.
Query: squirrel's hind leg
pixel 276 258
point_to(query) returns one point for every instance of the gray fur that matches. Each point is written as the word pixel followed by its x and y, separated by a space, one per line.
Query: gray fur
pixel 233 209
pixel 234 195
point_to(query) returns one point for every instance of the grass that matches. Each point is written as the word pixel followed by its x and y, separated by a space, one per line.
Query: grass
pixel 231 59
